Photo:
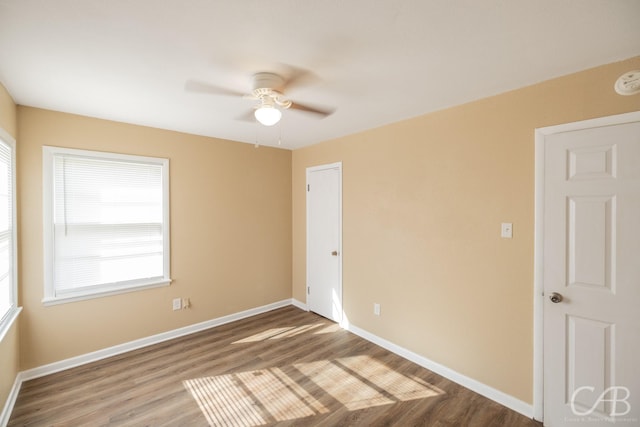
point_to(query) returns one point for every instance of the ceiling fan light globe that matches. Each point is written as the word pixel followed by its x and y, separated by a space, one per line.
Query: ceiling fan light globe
pixel 267 115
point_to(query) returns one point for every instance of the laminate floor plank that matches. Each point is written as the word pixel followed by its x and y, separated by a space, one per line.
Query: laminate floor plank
pixel 286 367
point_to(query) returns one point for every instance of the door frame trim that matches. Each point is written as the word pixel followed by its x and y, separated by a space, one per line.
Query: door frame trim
pixel 538 271
pixel 309 170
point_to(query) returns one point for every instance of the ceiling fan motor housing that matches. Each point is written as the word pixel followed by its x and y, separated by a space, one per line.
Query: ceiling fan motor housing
pixel 270 81
pixel 267 88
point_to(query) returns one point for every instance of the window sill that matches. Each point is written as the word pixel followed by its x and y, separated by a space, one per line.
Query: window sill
pixel 74 297
pixel 8 321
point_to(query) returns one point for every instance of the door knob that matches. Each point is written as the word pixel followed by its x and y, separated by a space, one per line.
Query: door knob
pixel 334 253
pixel 556 298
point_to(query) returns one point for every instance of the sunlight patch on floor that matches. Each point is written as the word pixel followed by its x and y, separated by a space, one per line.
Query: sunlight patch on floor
pixel 347 389
pixel 279 333
pixel 330 328
pixel 398 385
pixel 361 382
pixel 252 398
pixel 265 396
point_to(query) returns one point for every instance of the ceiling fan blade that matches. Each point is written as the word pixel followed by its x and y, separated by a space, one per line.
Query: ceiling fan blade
pixel 297 77
pixel 203 87
pixel 322 112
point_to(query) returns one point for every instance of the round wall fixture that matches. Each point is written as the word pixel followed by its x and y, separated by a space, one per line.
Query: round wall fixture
pixel 628 83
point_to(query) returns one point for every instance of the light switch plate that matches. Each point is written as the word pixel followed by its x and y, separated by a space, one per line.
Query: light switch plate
pixel 506 231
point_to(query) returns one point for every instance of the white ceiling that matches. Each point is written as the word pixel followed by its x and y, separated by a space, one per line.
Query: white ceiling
pixel 373 61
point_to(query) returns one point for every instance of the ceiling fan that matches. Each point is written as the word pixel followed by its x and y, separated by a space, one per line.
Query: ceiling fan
pixel 268 90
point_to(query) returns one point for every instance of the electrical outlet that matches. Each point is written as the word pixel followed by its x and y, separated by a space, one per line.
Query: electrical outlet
pixel 177 303
pixel 186 303
pixel 376 309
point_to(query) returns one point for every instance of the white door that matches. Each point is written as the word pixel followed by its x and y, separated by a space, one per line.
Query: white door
pixel 324 252
pixel 591 276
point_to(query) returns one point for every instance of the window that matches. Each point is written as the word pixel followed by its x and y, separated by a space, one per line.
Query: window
pixel 8 282
pixel 106 223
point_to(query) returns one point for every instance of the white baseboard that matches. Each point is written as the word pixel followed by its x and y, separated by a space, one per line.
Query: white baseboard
pixel 299 304
pixel 474 385
pixel 144 342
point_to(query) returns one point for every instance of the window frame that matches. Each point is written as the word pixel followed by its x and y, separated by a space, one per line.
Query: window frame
pixel 8 318
pixel 50 295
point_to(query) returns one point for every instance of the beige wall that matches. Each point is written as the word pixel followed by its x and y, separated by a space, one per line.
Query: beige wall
pixel 423 200
pixel 230 235
pixel 9 346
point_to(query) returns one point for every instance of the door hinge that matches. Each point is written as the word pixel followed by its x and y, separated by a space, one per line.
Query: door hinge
pixel 308 290
pixel 308 187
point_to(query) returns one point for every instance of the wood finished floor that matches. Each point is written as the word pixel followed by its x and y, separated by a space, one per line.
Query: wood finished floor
pixel 286 368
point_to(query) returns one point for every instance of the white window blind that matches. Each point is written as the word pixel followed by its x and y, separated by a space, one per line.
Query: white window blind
pixel 109 222
pixel 7 276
